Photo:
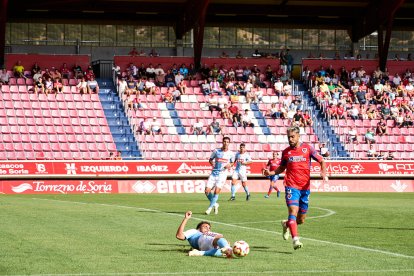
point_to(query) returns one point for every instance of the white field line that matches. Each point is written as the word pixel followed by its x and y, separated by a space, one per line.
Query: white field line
pixel 275 272
pixel 328 213
pixel 239 226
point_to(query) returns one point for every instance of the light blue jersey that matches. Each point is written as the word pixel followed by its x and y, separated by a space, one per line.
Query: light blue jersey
pixel 242 157
pixel 221 159
pixel 199 241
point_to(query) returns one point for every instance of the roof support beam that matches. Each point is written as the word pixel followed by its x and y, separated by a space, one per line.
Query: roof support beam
pixel 3 20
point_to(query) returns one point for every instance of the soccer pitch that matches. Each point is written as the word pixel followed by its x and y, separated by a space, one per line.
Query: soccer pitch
pixel 134 234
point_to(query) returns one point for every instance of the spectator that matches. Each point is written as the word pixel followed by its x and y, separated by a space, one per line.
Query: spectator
pixel 307 119
pixel 205 87
pixel 150 72
pixel 298 119
pixel 57 85
pixel 150 87
pixel 215 127
pixel 273 111
pixel 169 79
pixel 92 85
pixel 225 112
pixel 55 74
pixel 353 135
pixel 35 69
pixel 372 153
pixel 144 127
pixel 239 54
pixel 66 72
pixel 278 86
pixel 18 70
pixel 48 86
pixel 82 86
pixel 155 126
pixel 215 87
pixel 408 119
pixel 246 119
pixel 168 96
pixel 153 53
pixel 323 149
pixel 198 128
pixel 287 89
pixel 370 136
pixel 381 128
pixel 133 52
pixel 235 115
pixel 182 86
pixel 39 87
pixel 4 76
pixel 77 71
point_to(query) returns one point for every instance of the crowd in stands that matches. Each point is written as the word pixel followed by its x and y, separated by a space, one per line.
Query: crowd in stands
pixel 51 80
pixel 360 95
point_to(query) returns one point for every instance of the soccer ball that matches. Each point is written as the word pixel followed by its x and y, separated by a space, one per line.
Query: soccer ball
pixel 241 249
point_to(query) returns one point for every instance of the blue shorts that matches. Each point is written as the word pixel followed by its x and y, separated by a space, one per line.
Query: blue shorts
pixel 295 197
pixel 273 178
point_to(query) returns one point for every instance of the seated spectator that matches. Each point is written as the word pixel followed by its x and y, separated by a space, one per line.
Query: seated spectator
pixel 57 85
pixel 381 156
pixel 381 128
pixel 224 55
pixel 150 72
pixel 408 119
pixel 48 86
pixel 297 119
pixel 77 71
pixel 246 119
pixel 273 111
pixel 55 74
pixel 215 87
pixel 225 112
pixel 131 86
pixel 150 87
pixel 205 87
pixel 39 86
pixel 122 87
pixel 235 114
pixel 92 86
pixel 169 79
pixel 144 127
pixel 65 71
pixel 35 69
pixel 323 149
pixel 82 86
pixel 18 70
pixel 215 127
pixel 213 103
pixel 370 136
pixel 155 126
pixel 258 93
pixel 168 96
pixel 278 86
pixel 182 86
pixel 239 54
pixel 89 74
pixel 287 89
pixel 250 96
pixel 133 52
pixel 4 76
pixel 198 128
pixel 372 153
pixel 307 119
pixel 118 156
pixel 353 135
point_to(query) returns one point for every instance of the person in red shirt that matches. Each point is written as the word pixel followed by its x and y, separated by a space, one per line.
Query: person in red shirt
pixel 296 160
pixel 272 165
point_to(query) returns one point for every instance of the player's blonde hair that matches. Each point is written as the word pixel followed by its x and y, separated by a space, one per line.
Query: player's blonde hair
pixel 293 129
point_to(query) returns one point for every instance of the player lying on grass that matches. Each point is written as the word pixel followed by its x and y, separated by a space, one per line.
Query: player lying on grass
pixel 202 240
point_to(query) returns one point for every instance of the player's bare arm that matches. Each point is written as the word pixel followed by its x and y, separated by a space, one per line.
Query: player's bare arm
pixel 323 170
pixel 180 231
pixel 279 170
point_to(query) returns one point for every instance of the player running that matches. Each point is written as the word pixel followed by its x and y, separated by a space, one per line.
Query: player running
pixel 296 160
pixel 221 160
pixel 272 165
pixel 242 160
pixel 202 240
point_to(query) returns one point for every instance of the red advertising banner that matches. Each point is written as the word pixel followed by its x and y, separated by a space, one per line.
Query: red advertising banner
pixel 102 169
pixel 187 186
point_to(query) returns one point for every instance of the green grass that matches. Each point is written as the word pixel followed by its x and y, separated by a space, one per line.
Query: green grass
pixel 131 234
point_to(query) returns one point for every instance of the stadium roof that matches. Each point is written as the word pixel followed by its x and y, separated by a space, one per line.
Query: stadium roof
pixel 359 17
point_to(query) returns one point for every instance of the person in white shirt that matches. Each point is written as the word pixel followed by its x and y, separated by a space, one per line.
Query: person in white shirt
pixel 278 87
pixel 287 89
pixel 247 119
pixel 155 126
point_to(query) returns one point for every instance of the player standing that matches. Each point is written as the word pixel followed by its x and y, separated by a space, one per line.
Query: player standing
pixel 221 160
pixel 242 159
pixel 296 160
pixel 272 165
